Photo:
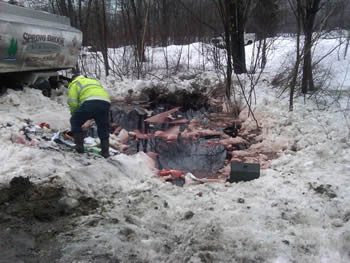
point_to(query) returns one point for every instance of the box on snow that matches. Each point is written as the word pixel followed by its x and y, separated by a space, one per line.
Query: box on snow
pixel 243 172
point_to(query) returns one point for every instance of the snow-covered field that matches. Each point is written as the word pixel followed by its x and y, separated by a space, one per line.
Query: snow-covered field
pixel 297 211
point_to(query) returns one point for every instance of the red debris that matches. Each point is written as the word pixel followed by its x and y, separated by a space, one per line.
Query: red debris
pixel 140 135
pixel 44 125
pixel 172 173
pixel 170 134
pixel 164 117
pixel 22 140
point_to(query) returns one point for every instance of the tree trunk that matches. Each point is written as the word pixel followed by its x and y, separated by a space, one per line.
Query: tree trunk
pixel 346 47
pixel 105 38
pixel 307 81
pixel 102 45
pixel 236 10
pixel 86 24
pixel 263 54
pixel 164 27
pixel 62 8
pixel 72 16
pixel 297 60
pixel 308 14
pixel 145 25
pixel 232 15
pixel 229 65
pixel 127 29
pixel 224 10
pixel 138 18
pixel 80 15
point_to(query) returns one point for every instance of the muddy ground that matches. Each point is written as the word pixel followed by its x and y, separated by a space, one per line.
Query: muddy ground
pixel 31 218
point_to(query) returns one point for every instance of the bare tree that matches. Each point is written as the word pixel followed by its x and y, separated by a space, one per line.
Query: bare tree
pixel 164 21
pixel 104 36
pixel 295 71
pixel 136 13
pixel 238 14
pixel 233 14
pixel 308 10
pixel 138 9
pixel 305 12
pixel 264 23
pixel 84 24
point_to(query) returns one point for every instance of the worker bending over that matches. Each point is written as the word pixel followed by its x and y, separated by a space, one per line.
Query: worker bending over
pixel 87 99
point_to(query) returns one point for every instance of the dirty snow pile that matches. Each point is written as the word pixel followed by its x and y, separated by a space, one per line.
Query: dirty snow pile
pixel 297 211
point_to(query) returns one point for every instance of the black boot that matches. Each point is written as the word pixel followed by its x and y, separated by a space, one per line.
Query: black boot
pixel 105 147
pixel 79 142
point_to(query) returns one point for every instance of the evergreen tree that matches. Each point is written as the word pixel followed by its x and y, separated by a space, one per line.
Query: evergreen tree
pixel 12 50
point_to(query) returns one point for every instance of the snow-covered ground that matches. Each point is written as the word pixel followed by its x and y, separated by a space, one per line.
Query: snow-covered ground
pixel 297 211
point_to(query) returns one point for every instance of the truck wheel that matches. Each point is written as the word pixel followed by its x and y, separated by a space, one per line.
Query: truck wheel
pixel 47 91
pixel 44 86
pixel 2 90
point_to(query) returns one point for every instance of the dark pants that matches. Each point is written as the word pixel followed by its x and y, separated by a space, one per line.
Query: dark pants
pixel 92 109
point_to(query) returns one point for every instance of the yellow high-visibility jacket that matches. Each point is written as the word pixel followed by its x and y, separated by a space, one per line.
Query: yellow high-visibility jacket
pixel 82 89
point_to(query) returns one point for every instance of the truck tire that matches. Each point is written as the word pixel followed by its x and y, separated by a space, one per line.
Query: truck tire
pixel 3 90
pixel 44 86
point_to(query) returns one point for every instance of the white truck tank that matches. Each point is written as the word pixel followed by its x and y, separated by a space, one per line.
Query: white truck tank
pixel 34 45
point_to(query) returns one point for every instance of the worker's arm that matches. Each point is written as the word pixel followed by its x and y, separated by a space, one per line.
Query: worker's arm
pixel 73 97
pixel 87 124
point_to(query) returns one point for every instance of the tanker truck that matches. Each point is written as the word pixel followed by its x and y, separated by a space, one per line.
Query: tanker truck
pixel 35 48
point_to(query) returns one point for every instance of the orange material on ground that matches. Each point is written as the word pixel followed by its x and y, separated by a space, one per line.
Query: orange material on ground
pixel 140 135
pixel 164 117
pixel 170 134
pixel 173 173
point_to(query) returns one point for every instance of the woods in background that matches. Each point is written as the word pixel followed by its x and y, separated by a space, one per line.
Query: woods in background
pixel 165 22
pixel 160 23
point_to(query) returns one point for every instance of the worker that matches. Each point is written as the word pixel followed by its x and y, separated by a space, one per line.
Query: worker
pixel 87 99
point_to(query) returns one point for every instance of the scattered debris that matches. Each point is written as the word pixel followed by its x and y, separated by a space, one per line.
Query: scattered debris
pixel 324 190
pixel 188 215
pixel 241 201
pixel 198 142
pixel 43 137
pixel 188 145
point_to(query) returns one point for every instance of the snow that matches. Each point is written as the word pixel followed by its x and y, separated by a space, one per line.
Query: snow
pixel 297 211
